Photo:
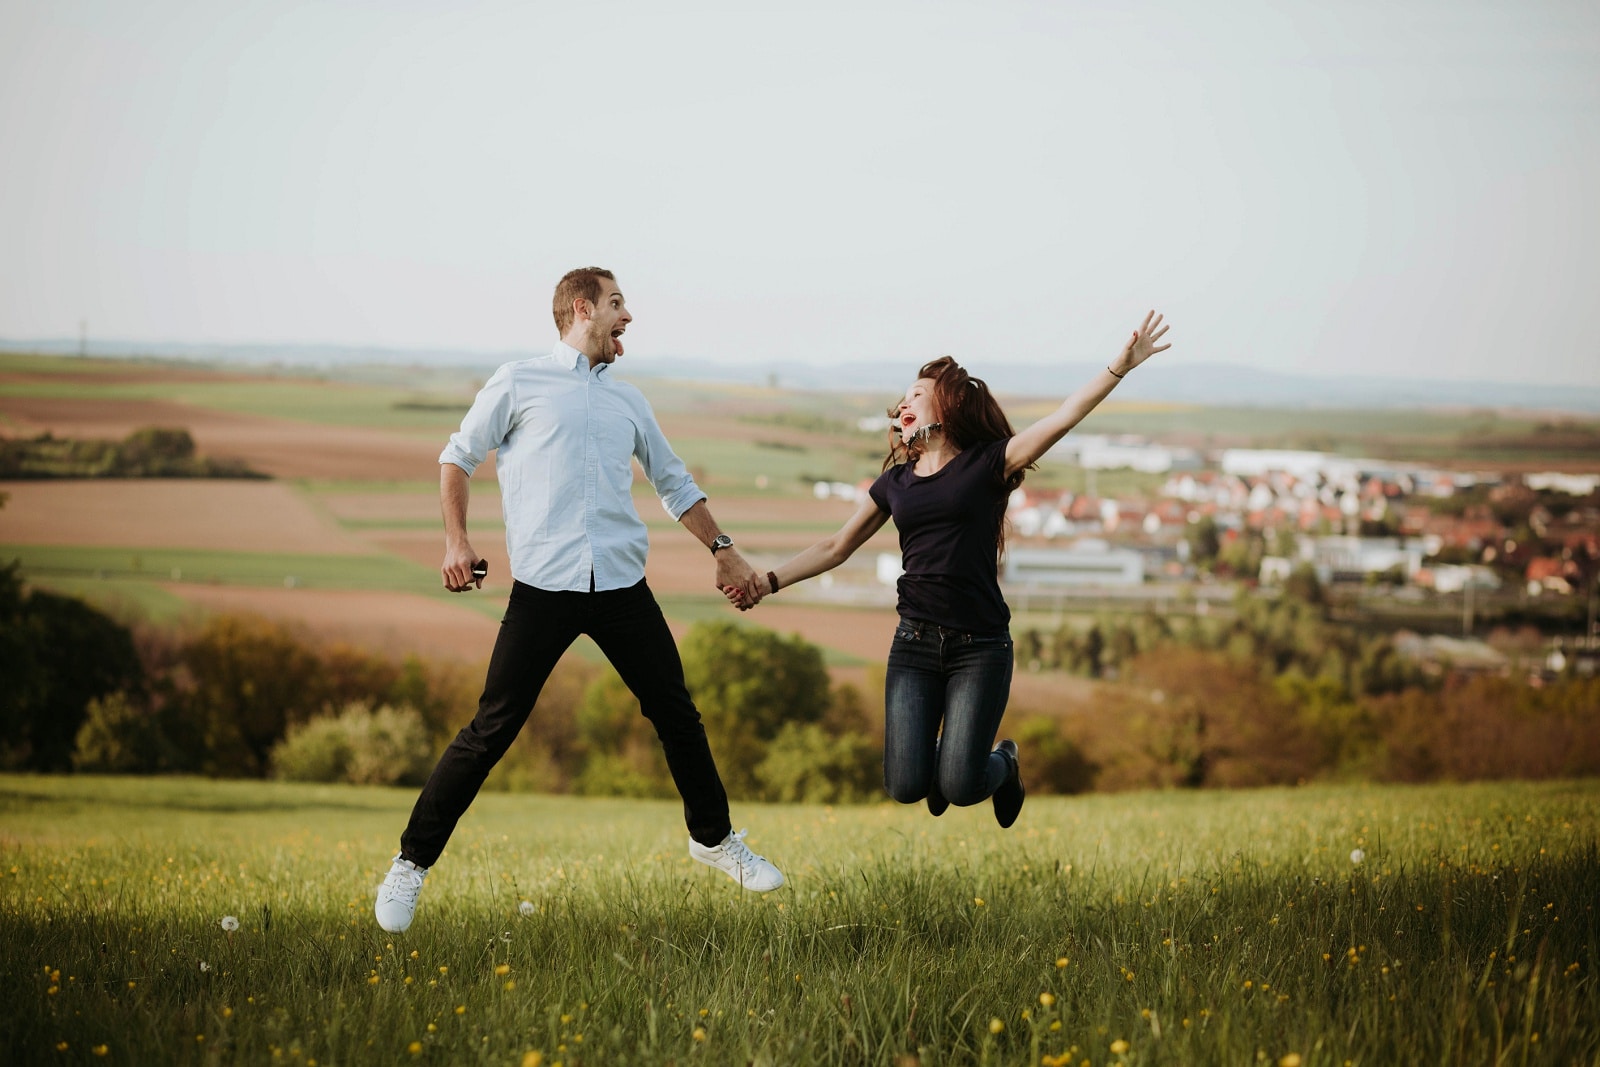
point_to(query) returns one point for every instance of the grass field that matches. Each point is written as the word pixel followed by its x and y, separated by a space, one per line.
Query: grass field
pixel 1137 929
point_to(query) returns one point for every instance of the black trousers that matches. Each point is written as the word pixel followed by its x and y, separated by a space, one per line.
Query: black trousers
pixel 538 627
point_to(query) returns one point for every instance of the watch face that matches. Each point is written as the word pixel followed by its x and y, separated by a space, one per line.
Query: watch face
pixel 721 541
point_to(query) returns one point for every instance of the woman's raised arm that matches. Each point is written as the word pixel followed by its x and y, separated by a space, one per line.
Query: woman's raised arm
pixel 1026 447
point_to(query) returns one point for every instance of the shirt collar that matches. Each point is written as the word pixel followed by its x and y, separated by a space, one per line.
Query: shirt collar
pixel 567 356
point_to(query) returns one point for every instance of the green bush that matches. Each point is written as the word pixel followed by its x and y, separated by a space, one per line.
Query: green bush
pixel 386 746
pixel 1051 762
pixel 748 684
pixel 806 764
pixel 123 735
pixel 621 755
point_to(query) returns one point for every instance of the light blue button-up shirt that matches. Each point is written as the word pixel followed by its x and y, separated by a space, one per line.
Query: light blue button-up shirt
pixel 567 436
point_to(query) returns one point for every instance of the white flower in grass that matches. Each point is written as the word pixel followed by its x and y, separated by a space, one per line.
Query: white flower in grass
pixel 526 908
pixel 1356 855
pixel 204 967
pixel 230 923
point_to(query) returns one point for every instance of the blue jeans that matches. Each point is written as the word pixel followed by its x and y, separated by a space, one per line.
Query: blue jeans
pixel 962 680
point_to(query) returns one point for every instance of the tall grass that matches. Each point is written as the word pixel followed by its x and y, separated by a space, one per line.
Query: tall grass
pixel 1220 928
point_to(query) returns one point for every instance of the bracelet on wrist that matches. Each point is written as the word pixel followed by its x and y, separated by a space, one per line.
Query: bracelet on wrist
pixel 1113 373
pixel 772 580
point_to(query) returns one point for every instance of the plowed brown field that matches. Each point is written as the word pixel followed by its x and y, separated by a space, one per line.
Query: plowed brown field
pixel 280 447
pixel 171 513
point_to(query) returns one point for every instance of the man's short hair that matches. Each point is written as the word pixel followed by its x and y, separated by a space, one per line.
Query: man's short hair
pixel 582 283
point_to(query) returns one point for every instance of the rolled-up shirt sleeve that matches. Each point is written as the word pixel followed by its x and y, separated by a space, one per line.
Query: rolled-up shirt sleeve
pixel 666 472
pixel 486 424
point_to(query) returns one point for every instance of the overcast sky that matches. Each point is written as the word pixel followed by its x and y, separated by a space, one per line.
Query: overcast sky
pixel 1393 187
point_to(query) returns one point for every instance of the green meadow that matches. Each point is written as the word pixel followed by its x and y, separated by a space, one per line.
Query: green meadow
pixel 1321 925
pixel 222 567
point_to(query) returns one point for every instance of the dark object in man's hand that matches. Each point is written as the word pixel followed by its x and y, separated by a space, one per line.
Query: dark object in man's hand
pixel 480 569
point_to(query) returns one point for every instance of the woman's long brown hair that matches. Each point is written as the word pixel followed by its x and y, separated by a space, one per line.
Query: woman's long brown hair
pixel 968 414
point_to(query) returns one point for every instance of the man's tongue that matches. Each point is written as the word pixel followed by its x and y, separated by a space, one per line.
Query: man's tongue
pixel 616 339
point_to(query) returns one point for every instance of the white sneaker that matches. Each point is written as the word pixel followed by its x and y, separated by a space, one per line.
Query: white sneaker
pixel 397 896
pixel 734 858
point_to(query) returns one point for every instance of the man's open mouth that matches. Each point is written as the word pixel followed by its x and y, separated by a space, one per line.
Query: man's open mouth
pixel 616 340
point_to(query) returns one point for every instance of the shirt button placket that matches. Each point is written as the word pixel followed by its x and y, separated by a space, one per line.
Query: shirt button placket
pixel 591 479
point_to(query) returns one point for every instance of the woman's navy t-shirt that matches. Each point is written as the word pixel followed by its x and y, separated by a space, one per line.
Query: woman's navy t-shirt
pixel 948 522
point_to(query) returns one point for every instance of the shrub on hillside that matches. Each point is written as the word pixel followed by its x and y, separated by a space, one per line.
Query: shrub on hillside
pixel 122 734
pixel 1490 728
pixel 620 754
pixel 152 452
pixel 1192 719
pixel 56 655
pixel 360 745
pixel 748 684
pixel 809 764
pixel 548 753
pixel 247 680
pixel 1053 762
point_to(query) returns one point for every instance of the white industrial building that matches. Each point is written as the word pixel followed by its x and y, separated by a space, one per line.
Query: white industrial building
pixel 1085 563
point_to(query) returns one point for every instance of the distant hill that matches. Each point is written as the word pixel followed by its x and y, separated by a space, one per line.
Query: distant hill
pixel 1207 384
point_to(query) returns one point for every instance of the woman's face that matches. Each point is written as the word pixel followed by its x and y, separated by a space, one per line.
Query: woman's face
pixel 917 409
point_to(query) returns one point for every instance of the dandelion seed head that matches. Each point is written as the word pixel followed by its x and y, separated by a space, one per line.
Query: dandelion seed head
pixel 1357 855
pixel 230 923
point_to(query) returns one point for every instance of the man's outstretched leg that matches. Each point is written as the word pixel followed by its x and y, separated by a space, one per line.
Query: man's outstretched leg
pixel 538 627
pixel 634 636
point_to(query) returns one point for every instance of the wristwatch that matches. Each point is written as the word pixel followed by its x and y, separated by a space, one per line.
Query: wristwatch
pixel 720 542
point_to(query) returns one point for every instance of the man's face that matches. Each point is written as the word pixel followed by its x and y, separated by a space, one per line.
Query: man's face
pixel 607 319
pixel 917 408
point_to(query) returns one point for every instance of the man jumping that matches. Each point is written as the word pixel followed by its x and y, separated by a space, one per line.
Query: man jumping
pixel 566 433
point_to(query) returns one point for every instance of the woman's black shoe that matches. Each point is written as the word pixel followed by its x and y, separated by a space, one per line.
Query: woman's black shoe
pixel 1008 798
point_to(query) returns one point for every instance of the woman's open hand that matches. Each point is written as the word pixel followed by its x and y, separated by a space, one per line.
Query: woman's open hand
pixel 1142 345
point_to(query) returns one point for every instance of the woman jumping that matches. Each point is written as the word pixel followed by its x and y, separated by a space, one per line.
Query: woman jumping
pixel 952 466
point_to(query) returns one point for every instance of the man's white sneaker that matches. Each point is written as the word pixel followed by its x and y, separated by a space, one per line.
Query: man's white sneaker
pixel 397 896
pixel 734 858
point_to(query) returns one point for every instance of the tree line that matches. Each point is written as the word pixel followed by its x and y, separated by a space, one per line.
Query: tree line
pixel 152 452
pixel 1277 693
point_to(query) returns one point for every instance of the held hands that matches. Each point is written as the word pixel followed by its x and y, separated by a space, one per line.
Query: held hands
pixel 737 580
pixel 1141 346
pixel 745 599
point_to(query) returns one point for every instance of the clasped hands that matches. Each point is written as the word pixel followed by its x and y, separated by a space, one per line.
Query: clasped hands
pixel 738 581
